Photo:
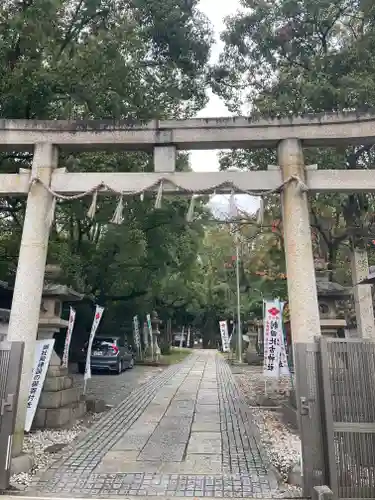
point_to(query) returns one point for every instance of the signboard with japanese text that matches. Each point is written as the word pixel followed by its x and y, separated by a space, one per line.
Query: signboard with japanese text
pixel 224 336
pixel 42 356
pixel 68 338
pixel 275 362
pixel 98 316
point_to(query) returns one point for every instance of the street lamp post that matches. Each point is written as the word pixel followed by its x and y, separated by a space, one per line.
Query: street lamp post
pixel 239 329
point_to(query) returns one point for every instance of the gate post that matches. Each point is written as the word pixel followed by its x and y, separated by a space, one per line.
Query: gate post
pixel 27 295
pixel 307 363
pixel 303 299
pixel 11 355
pixel 302 293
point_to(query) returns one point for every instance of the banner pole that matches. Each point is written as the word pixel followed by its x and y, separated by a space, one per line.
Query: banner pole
pixel 182 337
pixel 239 332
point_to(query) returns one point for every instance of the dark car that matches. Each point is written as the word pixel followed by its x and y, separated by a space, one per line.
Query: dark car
pixel 108 353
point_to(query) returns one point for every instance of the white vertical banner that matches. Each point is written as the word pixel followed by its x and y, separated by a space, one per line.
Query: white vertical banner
pixel 68 338
pixel 224 335
pixel 149 325
pixel 98 316
pixel 137 336
pixel 42 356
pixel 182 335
pixel 145 334
pixel 275 363
pixel 188 337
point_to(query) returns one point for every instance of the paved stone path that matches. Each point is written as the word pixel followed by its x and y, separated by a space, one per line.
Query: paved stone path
pixel 186 432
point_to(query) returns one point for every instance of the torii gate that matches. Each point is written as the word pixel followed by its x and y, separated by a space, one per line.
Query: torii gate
pixel 164 138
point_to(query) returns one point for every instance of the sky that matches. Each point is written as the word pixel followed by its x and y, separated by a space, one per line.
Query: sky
pixel 207 161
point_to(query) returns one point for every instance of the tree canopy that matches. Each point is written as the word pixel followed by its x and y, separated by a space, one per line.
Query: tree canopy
pixel 98 59
pixel 295 57
pixel 136 60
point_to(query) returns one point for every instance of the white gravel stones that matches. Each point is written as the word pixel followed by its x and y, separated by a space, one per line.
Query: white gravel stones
pixel 36 442
pixel 282 445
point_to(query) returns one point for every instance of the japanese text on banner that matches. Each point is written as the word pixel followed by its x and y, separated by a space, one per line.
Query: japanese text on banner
pixel 224 336
pixel 68 338
pixel 275 360
pixel 98 316
pixel 42 356
pixel 137 338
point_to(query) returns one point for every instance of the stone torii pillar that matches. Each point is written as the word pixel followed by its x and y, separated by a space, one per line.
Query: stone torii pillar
pixel 28 288
pixel 302 292
pixel 303 299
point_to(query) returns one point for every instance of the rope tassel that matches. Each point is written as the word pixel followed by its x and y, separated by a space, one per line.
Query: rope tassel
pixel 117 216
pixel 92 210
pixel 159 196
pixel 260 216
pixel 190 212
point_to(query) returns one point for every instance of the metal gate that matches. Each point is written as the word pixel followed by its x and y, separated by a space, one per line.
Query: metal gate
pixel 311 421
pixel 335 389
pixel 11 354
pixel 348 371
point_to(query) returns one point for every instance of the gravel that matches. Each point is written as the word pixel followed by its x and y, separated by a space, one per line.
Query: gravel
pixel 36 443
pixel 281 443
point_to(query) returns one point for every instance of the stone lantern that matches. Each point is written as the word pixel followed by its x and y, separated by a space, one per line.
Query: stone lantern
pixel 60 402
pixel 155 323
pixel 50 321
pixel 254 333
pixel 330 294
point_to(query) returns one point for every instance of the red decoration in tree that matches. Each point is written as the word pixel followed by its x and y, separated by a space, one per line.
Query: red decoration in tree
pixel 275 225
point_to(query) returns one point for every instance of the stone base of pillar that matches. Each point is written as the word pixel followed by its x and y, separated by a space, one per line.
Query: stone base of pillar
pixel 153 351
pixel 60 404
pixel 21 463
